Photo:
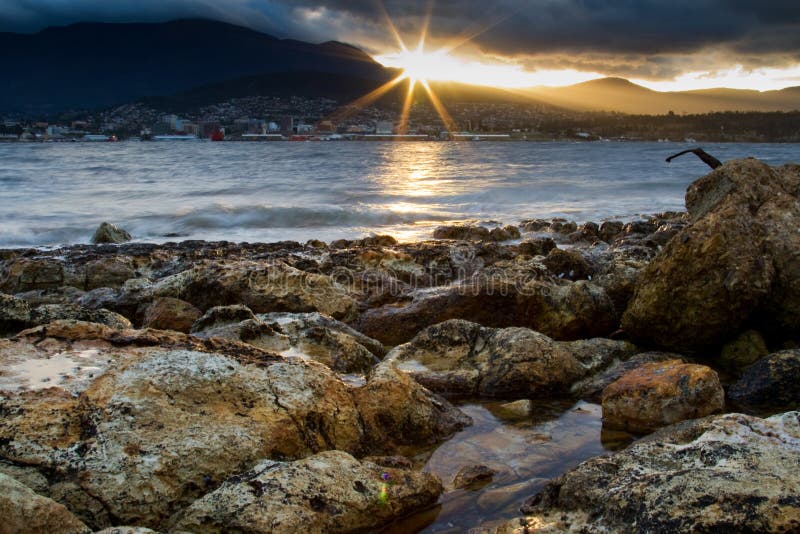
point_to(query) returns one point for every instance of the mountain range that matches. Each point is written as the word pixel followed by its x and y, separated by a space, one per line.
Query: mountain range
pixel 185 63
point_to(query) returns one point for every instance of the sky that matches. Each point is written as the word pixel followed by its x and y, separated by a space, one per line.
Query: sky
pixel 664 45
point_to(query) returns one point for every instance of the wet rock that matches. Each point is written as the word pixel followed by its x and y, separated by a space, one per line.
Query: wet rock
pixel 462 233
pixel 714 474
pixel 612 369
pixel 49 313
pixel 568 264
pixel 770 383
pixel 746 349
pixel 461 358
pixel 397 411
pixel 376 241
pixel 505 233
pixel 515 410
pixel 571 311
pixel 109 233
pixel 562 226
pixel 537 247
pixel 263 287
pixel 328 492
pixel 737 260
pixel 27 274
pixel 659 394
pixel 473 476
pixel 15 313
pixel 609 230
pixel 23 511
pixel 170 314
pixel 535 225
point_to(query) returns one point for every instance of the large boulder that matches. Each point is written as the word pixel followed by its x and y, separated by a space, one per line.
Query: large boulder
pixel 24 512
pixel 590 388
pixel 562 311
pixel 462 358
pixel 145 422
pixel 772 382
pixel 327 492
pixel 659 394
pixel 737 261
pixel 726 473
pixel 262 286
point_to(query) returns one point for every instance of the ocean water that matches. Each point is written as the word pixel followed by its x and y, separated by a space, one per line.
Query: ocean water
pixel 58 193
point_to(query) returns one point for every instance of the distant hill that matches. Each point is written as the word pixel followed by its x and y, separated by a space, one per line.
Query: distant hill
pixel 340 87
pixel 185 63
pixel 618 94
pixel 94 65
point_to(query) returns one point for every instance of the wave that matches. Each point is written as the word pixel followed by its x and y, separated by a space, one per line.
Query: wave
pixel 223 217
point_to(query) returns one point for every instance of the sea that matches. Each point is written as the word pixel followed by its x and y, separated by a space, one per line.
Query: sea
pixel 54 194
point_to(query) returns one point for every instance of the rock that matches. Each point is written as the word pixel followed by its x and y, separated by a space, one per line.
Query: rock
pixel 126 530
pixel 146 422
pixel 328 341
pixel 505 233
pixel 535 225
pixel 571 311
pixel 23 511
pixel 58 295
pixel 26 274
pixel 462 233
pixel 263 287
pixel 520 409
pixel 562 226
pixel 170 314
pixel 49 313
pixel 568 264
pixel 659 394
pixel 328 492
pixel 738 260
pixel 15 313
pixel 461 358
pixel 617 272
pixel 591 388
pixel 597 354
pixel 221 316
pixel 397 411
pixel 730 472
pixel 770 383
pixel 376 241
pixel 112 271
pixel 473 477
pixel 609 230
pixel 109 233
pixel 746 349
pixel 537 247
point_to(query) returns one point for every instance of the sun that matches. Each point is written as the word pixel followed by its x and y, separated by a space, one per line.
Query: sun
pixel 419 65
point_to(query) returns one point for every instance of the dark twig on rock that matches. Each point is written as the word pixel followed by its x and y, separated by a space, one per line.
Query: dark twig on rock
pixel 707 158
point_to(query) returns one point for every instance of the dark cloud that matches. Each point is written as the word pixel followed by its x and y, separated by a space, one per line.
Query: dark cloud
pixel 639 38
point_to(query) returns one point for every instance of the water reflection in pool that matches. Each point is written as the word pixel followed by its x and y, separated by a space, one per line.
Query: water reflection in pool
pixel 525 451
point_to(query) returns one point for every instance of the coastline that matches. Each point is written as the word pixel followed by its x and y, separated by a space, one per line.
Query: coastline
pixel 190 376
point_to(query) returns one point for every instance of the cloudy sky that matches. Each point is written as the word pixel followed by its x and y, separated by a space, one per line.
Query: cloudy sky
pixel 663 44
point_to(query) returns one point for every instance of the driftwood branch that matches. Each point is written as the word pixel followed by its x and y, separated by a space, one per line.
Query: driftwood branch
pixel 707 158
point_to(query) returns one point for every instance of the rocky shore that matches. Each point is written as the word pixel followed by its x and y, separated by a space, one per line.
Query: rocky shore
pixel 285 387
